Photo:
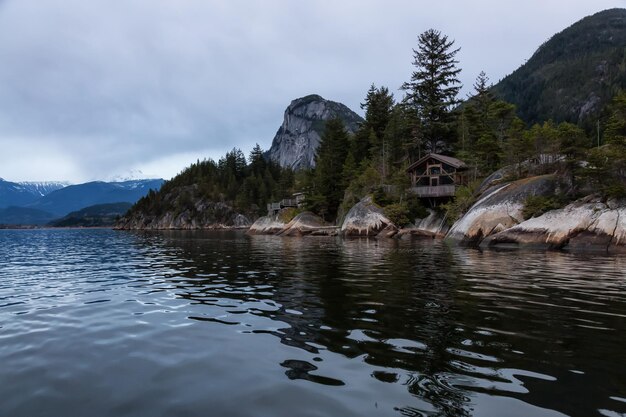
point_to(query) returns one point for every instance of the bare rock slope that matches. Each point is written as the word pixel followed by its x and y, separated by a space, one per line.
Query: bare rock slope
pixel 299 135
pixel 499 208
pixel 587 224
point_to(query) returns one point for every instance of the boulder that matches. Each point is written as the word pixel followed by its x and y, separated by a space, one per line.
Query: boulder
pixel 307 223
pixel 587 224
pixel 499 209
pixel 365 219
pixel 432 226
pixel 267 225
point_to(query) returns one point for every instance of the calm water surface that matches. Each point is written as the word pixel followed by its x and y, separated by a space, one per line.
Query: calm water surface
pixel 105 323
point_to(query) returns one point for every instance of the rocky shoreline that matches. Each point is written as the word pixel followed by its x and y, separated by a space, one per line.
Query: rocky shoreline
pixel 494 221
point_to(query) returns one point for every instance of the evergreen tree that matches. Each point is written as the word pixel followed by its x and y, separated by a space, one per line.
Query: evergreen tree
pixel 328 180
pixel 378 106
pixel 432 91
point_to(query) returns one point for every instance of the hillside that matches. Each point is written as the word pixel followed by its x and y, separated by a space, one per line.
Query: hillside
pixel 24 216
pixel 209 194
pixel 101 215
pixel 573 75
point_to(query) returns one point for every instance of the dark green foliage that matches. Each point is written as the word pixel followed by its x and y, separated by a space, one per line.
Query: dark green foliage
pixel 464 198
pixel 433 88
pixel 398 213
pixel 380 197
pixel 485 126
pixel 536 205
pixel 606 170
pixel 247 186
pixel 327 181
pixel 573 75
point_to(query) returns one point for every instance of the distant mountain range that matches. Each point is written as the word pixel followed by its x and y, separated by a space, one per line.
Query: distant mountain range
pixel 22 193
pixel 39 203
pixel 574 75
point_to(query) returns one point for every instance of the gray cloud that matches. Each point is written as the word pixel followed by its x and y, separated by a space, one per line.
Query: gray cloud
pixel 89 89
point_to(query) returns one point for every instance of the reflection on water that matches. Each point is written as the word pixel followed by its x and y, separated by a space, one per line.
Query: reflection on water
pixel 195 323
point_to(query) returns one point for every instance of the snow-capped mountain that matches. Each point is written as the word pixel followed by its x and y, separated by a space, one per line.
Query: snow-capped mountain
pixel 76 197
pixel 42 188
pixel 131 175
pixel 22 193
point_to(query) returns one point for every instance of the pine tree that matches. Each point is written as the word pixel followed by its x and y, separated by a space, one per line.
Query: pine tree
pixel 432 91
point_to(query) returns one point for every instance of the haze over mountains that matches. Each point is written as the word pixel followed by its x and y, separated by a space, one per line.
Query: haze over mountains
pixel 39 203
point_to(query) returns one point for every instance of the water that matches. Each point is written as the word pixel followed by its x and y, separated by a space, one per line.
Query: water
pixel 105 323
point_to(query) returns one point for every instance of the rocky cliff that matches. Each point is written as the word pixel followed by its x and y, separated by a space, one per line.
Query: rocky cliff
pixel 298 137
pixel 184 213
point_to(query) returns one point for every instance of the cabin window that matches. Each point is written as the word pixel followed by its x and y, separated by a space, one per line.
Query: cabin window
pixel 434 170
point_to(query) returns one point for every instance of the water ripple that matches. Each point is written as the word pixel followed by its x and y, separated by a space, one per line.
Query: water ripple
pixel 105 323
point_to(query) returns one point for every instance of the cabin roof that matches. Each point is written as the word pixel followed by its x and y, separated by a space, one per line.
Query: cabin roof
pixel 457 163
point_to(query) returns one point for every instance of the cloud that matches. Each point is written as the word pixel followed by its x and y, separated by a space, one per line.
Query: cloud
pixel 116 85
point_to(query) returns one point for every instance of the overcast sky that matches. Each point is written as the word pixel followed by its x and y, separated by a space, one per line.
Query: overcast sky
pixel 90 89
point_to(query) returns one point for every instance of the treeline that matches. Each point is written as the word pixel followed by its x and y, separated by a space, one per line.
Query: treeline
pixel 246 184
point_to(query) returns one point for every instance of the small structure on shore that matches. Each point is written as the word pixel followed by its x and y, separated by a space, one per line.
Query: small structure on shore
pixel 296 201
pixel 436 176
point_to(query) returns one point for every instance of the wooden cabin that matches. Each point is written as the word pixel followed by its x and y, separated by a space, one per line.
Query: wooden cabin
pixel 296 201
pixel 436 176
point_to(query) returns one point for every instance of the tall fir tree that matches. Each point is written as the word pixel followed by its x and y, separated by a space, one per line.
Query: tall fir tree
pixel 433 89
pixel 328 179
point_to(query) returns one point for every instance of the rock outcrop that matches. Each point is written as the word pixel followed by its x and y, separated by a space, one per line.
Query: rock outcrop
pixel 299 136
pixel 302 224
pixel 267 225
pixel 308 223
pixel 499 208
pixel 367 219
pixel 587 224
pixel 432 226
pixel 202 215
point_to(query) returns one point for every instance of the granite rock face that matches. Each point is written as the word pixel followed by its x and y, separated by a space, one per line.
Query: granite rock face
pixel 432 226
pixel 267 225
pixel 499 209
pixel 365 219
pixel 588 224
pixel 298 138
pixel 302 224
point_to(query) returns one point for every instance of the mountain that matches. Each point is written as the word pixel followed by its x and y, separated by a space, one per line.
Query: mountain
pixel 573 75
pixel 298 137
pixel 76 197
pixel 22 193
pixel 101 215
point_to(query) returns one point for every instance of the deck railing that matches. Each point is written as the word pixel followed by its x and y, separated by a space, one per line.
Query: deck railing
pixel 436 191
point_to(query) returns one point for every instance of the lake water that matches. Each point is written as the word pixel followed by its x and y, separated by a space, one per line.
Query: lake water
pixel 106 323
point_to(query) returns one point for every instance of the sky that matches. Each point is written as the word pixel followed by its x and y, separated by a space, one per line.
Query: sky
pixel 94 89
